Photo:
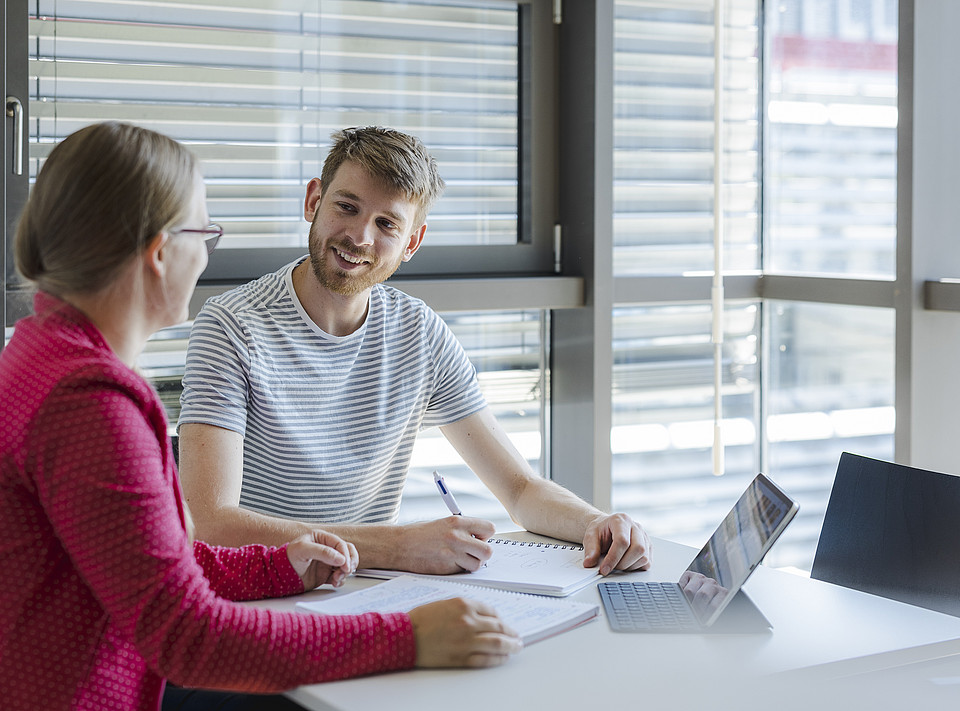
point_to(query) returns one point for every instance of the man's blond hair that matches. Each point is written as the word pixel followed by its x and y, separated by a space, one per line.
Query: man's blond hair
pixel 398 159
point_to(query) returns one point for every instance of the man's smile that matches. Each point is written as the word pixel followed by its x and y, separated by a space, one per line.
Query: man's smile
pixel 349 258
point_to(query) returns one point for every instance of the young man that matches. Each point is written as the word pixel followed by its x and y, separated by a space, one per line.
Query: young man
pixel 304 391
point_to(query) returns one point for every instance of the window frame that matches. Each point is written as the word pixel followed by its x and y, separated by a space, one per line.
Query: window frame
pixel 15 297
pixel 534 251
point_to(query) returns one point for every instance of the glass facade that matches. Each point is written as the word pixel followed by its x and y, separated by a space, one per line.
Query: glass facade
pixel 814 105
pixel 829 389
pixel 663 399
pixel 830 184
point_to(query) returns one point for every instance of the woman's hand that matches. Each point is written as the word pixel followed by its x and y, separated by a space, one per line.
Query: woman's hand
pixel 320 557
pixel 461 633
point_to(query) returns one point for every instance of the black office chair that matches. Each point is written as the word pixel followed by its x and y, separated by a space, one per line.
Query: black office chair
pixel 893 531
pixel 175 441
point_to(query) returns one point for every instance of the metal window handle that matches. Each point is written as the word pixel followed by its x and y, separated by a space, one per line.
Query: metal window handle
pixel 15 111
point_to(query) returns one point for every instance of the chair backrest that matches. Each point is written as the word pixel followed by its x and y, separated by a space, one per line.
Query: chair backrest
pixel 175 443
pixel 893 531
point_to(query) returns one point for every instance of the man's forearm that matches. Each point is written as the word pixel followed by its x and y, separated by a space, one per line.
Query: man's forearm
pixel 548 509
pixel 378 545
pixel 539 505
pixel 611 541
pixel 235 527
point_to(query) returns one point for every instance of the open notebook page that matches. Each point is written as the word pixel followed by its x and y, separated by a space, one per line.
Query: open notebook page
pixel 532 617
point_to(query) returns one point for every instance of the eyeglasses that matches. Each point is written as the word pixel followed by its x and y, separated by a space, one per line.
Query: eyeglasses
pixel 213 232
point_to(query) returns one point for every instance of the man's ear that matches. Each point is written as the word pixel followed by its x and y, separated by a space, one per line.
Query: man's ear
pixel 413 244
pixel 312 200
pixel 154 254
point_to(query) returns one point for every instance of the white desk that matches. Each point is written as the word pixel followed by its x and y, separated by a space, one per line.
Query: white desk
pixel 827 645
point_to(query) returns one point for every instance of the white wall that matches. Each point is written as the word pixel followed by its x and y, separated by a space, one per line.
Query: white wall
pixel 935 227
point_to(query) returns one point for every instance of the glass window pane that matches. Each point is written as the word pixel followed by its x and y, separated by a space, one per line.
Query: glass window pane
pixel 830 376
pixel 830 164
pixel 663 137
pixel 162 363
pixel 257 89
pixel 507 350
pixel 663 416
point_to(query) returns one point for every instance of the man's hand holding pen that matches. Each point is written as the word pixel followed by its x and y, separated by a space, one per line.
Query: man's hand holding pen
pixel 473 561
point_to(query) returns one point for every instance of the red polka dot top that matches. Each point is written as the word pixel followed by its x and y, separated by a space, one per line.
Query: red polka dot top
pixel 103 595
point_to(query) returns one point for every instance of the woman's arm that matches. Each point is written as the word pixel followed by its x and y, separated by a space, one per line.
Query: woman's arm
pixel 101 476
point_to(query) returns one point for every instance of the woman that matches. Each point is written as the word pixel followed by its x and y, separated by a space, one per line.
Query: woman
pixel 104 594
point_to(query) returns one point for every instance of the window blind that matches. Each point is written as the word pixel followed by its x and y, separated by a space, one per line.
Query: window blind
pixel 663 394
pixel 256 88
pixel 663 136
pixel 827 196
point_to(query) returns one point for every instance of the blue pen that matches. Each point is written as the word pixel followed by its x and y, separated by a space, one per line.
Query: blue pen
pixel 446 495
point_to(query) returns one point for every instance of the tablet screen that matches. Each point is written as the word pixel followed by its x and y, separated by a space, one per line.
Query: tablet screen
pixel 746 534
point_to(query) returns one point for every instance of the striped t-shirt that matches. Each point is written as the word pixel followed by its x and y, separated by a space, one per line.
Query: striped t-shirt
pixel 328 422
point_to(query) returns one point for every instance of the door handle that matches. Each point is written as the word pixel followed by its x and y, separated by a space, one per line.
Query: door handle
pixel 15 111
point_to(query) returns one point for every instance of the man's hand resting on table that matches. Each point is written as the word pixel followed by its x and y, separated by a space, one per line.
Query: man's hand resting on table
pixel 320 557
pixel 616 542
pixel 461 633
pixel 448 545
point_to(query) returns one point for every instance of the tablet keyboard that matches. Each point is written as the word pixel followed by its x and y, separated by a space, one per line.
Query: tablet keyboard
pixel 646 607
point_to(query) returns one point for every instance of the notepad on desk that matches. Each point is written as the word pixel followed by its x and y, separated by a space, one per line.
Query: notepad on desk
pixel 520 566
pixel 532 617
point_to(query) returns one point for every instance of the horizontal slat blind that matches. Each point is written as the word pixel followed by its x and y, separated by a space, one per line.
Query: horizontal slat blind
pixel 508 351
pixel 663 395
pixel 663 140
pixel 256 89
pixel 663 415
pixel 829 184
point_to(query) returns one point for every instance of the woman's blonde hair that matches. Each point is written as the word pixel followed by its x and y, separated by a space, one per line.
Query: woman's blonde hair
pixel 101 195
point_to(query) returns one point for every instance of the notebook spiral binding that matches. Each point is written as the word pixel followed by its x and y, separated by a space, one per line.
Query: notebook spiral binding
pixel 532 544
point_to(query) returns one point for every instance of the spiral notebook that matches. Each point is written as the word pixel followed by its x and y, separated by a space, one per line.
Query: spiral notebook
pixel 532 617
pixel 520 566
